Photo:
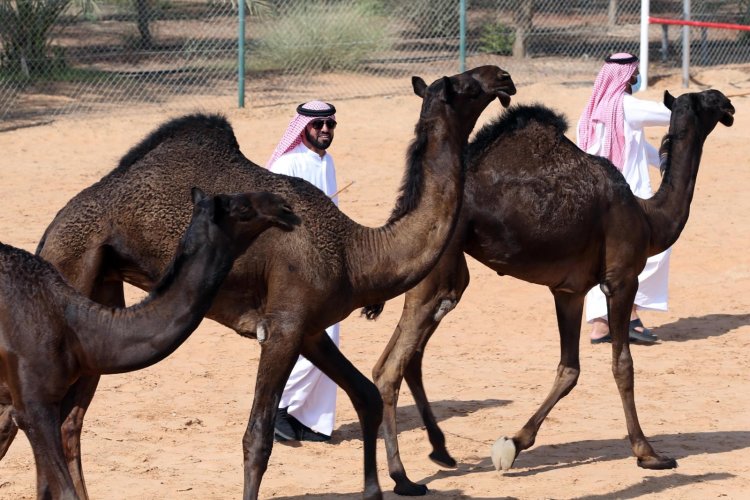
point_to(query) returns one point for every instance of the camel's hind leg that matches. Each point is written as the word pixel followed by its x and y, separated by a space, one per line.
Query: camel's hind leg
pixel 619 304
pixel 569 308
pixel 41 423
pixel 425 306
pixel 74 407
pixel 8 428
pixel 324 354
pixel 91 281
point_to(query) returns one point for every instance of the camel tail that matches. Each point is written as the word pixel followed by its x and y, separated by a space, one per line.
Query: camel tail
pixel 372 312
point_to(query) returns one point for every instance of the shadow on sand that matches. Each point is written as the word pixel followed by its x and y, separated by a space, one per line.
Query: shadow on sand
pixel 701 327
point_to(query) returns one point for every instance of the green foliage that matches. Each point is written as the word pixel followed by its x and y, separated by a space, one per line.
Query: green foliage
pixel 744 12
pixel 497 38
pixel 429 18
pixel 319 36
pixel 25 31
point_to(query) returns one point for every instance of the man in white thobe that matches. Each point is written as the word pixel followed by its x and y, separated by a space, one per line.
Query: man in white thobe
pixel 307 409
pixel 612 126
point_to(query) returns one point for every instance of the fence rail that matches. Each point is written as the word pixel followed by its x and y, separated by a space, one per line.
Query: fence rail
pixel 73 56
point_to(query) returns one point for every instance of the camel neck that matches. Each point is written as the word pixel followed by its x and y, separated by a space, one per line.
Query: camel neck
pixel 122 340
pixel 422 220
pixel 668 210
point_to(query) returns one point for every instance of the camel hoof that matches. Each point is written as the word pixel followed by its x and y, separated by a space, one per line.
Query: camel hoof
pixel 657 463
pixel 443 459
pixel 410 489
pixel 503 453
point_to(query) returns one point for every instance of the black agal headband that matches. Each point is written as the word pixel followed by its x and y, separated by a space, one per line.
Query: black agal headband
pixel 316 113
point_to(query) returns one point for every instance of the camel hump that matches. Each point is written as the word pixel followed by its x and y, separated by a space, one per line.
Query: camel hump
pixel 198 125
pixel 517 118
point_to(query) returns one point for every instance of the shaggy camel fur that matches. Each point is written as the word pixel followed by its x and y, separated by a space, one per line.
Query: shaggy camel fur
pixel 291 286
pixel 51 335
pixel 538 208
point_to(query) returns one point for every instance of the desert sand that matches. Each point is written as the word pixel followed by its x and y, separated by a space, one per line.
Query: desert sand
pixel 174 430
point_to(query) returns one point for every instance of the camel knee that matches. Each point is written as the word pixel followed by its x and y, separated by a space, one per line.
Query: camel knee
pixel 371 403
pixel 256 449
pixel 569 378
pixel 444 307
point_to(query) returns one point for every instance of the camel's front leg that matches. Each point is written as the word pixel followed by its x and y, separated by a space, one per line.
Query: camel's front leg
pixel 620 305
pixel 424 307
pixel 324 354
pixel 278 355
pixel 569 308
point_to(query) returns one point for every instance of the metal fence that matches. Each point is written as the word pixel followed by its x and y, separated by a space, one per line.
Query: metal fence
pixel 66 56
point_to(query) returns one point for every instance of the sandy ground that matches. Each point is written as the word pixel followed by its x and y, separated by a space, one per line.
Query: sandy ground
pixel 174 430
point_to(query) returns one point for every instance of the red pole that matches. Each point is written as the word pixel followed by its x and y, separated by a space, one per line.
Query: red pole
pixel 700 24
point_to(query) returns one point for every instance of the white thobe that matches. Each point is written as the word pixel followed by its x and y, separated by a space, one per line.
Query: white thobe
pixel 309 394
pixel 639 154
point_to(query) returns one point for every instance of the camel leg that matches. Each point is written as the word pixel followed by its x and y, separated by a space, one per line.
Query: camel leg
pixel 79 395
pixel 620 305
pixel 8 428
pixel 41 423
pixel 364 395
pixel 278 356
pixel 74 407
pixel 425 305
pixel 569 309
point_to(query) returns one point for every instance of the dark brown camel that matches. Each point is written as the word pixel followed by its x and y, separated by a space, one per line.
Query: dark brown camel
pixel 290 286
pixel 538 208
pixel 51 335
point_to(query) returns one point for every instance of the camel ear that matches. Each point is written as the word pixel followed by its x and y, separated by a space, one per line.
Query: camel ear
pixel 668 99
pixel 201 202
pixel 448 91
pixel 196 194
pixel 419 86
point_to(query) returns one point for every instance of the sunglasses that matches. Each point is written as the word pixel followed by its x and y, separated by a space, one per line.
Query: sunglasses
pixel 318 124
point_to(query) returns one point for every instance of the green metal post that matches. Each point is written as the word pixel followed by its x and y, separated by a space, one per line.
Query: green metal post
pixel 462 36
pixel 241 55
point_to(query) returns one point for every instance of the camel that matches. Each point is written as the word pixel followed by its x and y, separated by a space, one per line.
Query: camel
pixel 539 209
pixel 292 285
pixel 51 335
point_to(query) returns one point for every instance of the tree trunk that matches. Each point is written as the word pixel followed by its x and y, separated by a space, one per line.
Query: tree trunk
pixel 524 22
pixel 143 17
pixel 612 13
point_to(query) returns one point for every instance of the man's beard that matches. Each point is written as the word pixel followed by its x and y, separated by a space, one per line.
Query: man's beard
pixel 316 143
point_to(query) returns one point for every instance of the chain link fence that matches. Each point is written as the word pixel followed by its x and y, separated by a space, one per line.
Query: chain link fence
pixel 708 46
pixel 72 56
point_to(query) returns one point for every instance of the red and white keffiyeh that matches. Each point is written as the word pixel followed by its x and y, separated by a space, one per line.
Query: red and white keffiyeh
pixel 306 112
pixel 605 106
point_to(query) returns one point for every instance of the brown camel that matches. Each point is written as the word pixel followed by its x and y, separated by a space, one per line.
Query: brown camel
pixel 51 335
pixel 291 286
pixel 538 208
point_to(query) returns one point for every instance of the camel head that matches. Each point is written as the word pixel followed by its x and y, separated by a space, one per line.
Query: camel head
pixel 243 217
pixel 710 106
pixel 468 93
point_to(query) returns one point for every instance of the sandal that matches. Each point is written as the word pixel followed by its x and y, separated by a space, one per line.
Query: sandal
pixel 641 336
